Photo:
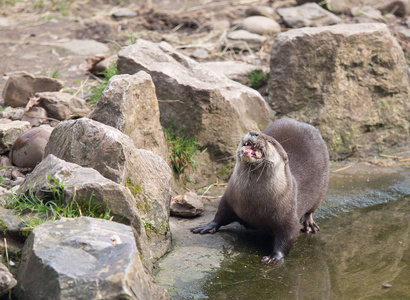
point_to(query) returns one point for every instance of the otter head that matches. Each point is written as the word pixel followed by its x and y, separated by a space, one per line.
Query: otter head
pixel 256 148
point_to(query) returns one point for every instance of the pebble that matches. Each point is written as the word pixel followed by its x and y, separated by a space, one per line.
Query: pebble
pixel 200 53
pixel 260 25
pixel 124 14
pixel 260 10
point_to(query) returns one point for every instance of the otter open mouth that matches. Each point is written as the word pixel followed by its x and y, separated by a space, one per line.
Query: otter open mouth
pixel 251 150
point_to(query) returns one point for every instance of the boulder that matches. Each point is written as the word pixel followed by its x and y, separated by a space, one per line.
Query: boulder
pixel 10 132
pixel 28 149
pixel 307 15
pixel 62 106
pixel 83 258
pixel 89 143
pixel 187 205
pixel 21 86
pixel 35 116
pixel 129 104
pixel 7 281
pixel 80 184
pixel 199 102
pixel 350 81
pixel 260 25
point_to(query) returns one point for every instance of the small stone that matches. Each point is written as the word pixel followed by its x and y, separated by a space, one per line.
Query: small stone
pixel 260 11
pixel 260 25
pixel 398 8
pixel 85 47
pixel 35 116
pixel 200 53
pixel 235 70
pixel 243 40
pixel 21 86
pixel 28 149
pixel 63 106
pixel 12 113
pixel 121 14
pixel 105 64
pixel 10 132
pixel 7 281
pixel 366 14
pixel 187 205
pixel 307 15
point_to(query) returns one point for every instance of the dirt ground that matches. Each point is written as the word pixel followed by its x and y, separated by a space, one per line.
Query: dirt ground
pixel 32 31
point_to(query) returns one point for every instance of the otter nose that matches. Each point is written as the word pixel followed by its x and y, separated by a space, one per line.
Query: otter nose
pixel 253 133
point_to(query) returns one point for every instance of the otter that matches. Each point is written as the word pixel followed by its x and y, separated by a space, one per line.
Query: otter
pixel 279 180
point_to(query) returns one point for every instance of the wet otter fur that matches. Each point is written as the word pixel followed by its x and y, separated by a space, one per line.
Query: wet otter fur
pixel 280 178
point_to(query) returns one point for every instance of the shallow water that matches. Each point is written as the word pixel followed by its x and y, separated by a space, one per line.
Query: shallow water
pixel 363 244
pixel 351 258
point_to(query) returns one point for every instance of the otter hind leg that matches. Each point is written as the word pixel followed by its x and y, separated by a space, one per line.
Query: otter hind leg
pixel 308 224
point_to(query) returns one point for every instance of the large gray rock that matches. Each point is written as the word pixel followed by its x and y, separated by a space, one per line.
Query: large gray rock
pixel 80 184
pixel 10 132
pixel 83 258
pixel 62 106
pixel 21 86
pixel 351 81
pixel 7 281
pixel 28 149
pixel 129 104
pixel 89 143
pixel 202 103
pixel 307 15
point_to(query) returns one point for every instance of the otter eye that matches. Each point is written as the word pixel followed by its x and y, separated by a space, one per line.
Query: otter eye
pixel 271 142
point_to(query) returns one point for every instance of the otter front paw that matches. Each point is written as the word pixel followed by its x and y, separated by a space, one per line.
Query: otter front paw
pixel 274 259
pixel 208 228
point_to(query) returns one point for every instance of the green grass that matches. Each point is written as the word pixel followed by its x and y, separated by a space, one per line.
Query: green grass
pixel 181 150
pixel 52 207
pixel 96 91
pixel 257 79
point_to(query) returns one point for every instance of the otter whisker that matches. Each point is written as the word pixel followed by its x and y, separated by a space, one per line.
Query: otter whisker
pixel 263 169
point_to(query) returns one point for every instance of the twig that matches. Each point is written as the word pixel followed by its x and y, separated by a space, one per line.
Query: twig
pixel 7 252
pixel 344 168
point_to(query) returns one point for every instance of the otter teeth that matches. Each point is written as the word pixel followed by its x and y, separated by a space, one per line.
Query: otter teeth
pixel 251 150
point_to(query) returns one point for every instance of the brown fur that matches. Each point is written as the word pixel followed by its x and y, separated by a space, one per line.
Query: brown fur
pixel 279 191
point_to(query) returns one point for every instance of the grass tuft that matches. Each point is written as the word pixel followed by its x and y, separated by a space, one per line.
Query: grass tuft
pixel 53 206
pixel 257 79
pixel 181 150
pixel 97 90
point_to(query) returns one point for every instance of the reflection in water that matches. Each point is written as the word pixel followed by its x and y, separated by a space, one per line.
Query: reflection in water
pixel 350 258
